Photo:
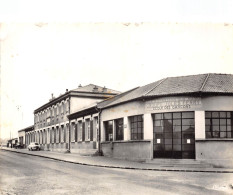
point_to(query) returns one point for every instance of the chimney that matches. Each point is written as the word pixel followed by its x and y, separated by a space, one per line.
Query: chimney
pixel 80 85
pixel 51 97
pixel 104 89
pixel 66 90
pixel 95 89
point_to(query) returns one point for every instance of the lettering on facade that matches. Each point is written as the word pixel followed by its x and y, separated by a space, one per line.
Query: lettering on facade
pixel 173 103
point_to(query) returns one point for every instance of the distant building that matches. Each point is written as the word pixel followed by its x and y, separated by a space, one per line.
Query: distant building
pixel 11 143
pixel 53 130
pixel 23 140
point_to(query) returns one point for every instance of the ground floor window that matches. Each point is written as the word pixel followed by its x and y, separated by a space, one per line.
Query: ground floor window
pixel 136 125
pixel 108 130
pixel 95 129
pixel 219 124
pixel 119 129
pixel 174 135
pixel 88 129
pixel 79 130
pixel 53 135
pixel 72 132
pixel 62 133
pixel 57 135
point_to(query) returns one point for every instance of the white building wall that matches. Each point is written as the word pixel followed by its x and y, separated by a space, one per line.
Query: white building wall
pixel 199 124
pixel 148 126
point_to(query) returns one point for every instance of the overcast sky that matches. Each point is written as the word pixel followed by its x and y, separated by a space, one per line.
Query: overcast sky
pixel 44 54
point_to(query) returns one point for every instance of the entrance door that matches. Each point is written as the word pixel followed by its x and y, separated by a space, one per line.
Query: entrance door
pixel 174 135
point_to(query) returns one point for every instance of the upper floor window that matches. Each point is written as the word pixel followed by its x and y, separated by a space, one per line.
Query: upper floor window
pixel 62 107
pixel 136 123
pixel 67 106
pixel 219 124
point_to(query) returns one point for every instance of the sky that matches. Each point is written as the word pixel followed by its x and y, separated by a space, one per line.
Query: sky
pixel 50 52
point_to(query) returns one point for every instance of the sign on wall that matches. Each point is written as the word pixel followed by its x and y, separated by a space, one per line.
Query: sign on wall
pixel 173 103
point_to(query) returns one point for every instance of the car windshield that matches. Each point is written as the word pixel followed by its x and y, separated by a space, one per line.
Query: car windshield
pixel 36 144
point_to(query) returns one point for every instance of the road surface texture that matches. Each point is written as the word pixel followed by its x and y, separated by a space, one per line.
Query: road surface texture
pixel 25 174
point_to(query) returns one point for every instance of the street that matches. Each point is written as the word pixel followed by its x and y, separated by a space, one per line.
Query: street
pixel 25 174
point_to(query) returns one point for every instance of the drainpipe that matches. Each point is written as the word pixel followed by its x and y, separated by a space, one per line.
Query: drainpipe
pixel 99 136
pixel 69 130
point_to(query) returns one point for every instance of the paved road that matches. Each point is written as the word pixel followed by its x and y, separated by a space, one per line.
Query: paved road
pixel 25 174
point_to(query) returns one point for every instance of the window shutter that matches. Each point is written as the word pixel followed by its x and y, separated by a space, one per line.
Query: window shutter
pixel 83 134
pixel 91 130
pixel 76 132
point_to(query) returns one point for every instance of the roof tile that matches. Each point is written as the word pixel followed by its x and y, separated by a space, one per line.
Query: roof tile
pixel 202 83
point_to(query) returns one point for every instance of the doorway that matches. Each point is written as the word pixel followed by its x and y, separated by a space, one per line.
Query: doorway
pixel 174 135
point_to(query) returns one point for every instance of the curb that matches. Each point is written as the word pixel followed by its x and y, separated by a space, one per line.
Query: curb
pixel 121 167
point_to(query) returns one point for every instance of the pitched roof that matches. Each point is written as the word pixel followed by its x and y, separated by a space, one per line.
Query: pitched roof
pixel 95 88
pixel 114 99
pixel 183 85
pixel 90 90
pixel 219 83
pixel 27 128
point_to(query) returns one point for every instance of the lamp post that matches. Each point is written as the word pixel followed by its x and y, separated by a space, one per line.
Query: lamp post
pixel 20 118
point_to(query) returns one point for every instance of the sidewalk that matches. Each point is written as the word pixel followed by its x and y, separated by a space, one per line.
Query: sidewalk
pixel 101 161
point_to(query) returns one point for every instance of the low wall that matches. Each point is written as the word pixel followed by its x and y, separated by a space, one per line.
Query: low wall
pixel 56 147
pixel 218 152
pixel 83 147
pixel 129 150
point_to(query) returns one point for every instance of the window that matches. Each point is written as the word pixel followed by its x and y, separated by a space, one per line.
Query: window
pixel 219 124
pixel 73 132
pixel 108 130
pixel 79 130
pixel 88 128
pixel 119 129
pixel 54 135
pixel 67 106
pixel 95 129
pixel 57 135
pixel 62 107
pixel 62 133
pixel 136 123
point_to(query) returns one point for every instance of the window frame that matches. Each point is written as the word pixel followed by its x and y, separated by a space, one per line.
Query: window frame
pixel 87 129
pixel 136 127
pixel 107 133
pixel 218 124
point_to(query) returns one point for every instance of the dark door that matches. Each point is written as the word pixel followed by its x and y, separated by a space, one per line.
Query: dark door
pixel 119 129
pixel 174 135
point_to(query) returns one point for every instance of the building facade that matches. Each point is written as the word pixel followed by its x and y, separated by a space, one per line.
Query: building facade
pixel 53 129
pixel 23 139
pixel 179 117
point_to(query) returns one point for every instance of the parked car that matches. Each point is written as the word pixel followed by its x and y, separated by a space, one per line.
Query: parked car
pixel 18 145
pixel 34 146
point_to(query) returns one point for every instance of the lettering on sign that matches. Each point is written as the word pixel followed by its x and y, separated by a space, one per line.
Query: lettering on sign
pixel 173 103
